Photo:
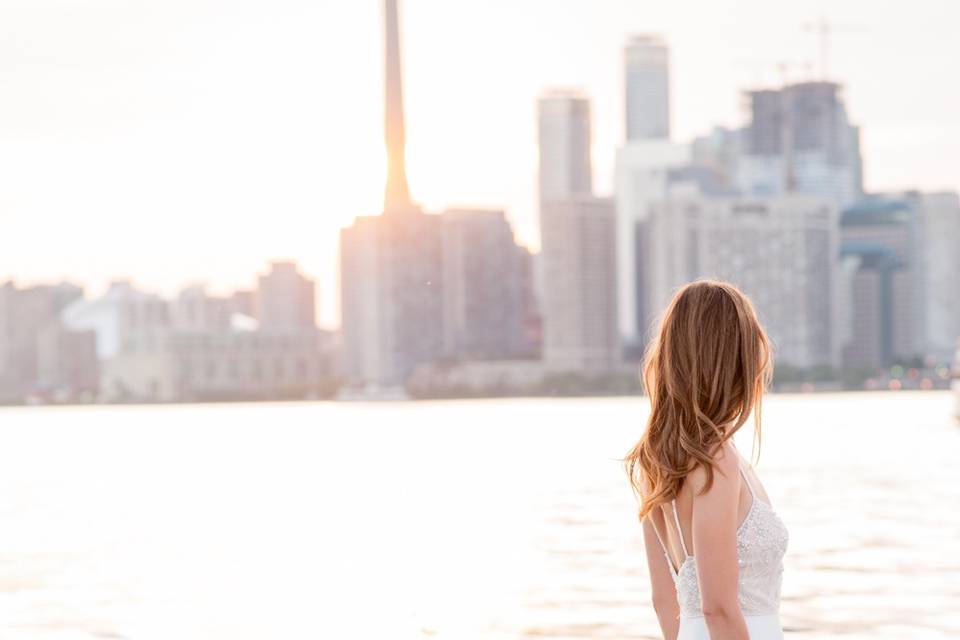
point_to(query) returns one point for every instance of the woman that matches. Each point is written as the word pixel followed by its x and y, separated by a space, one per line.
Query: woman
pixel 714 544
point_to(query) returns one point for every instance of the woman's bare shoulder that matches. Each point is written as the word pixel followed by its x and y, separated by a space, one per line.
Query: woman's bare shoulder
pixel 726 465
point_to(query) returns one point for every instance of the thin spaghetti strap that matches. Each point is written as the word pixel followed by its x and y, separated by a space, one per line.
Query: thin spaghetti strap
pixel 747 480
pixel 676 519
pixel 664 547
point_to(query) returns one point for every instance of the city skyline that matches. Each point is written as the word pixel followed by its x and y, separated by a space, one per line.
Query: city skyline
pixel 163 150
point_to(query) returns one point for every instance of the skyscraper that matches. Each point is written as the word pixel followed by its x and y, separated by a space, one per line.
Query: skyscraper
pixel 578 244
pixel 391 265
pixel 563 118
pixel 642 168
pixel 647 87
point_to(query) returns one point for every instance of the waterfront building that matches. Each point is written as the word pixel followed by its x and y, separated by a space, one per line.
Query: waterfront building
pixel 167 364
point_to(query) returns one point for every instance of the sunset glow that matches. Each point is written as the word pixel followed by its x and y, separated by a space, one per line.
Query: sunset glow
pixel 189 140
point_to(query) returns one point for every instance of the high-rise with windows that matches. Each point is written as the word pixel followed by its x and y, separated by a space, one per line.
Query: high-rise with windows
pixel 781 251
pixel 578 242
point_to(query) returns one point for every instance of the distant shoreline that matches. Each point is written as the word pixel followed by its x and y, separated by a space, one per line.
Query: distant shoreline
pixel 793 389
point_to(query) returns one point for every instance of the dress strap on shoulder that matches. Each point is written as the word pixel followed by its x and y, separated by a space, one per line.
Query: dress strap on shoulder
pixel 747 480
pixel 676 519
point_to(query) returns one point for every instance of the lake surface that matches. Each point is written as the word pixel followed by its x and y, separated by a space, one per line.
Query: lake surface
pixel 451 520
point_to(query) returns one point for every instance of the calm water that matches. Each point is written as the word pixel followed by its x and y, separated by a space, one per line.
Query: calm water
pixel 459 520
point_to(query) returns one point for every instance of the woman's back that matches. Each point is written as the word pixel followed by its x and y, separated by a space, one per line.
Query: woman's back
pixel 762 540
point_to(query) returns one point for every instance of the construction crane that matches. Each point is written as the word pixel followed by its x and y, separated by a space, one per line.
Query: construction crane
pixel 824 30
pixel 761 71
pixel 786 129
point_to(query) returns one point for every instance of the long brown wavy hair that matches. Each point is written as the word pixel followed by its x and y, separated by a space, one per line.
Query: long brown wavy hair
pixel 704 373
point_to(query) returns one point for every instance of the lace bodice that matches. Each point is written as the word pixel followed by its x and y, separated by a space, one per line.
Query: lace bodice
pixel 762 540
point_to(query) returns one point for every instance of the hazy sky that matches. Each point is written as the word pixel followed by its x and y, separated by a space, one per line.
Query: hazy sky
pixel 184 140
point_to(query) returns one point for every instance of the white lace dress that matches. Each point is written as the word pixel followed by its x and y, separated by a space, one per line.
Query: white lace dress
pixel 762 540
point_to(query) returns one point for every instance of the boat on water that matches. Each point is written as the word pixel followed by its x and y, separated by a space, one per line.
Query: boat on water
pixel 955 382
pixel 372 393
